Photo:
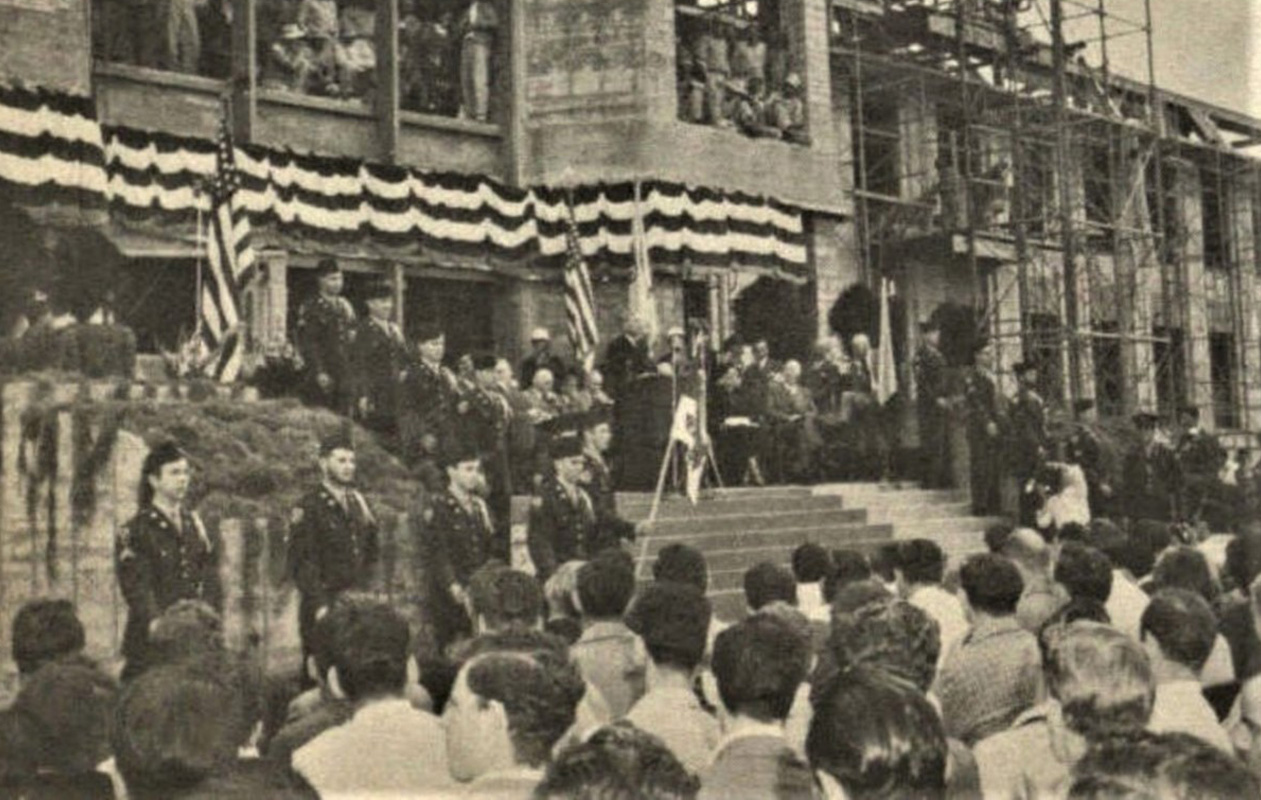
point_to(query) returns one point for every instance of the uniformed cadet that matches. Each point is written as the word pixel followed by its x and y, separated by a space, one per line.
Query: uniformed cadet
pixel 1084 447
pixel 597 479
pixel 486 427
pixel 562 523
pixel 1028 438
pixel 984 405
pixel 1151 473
pixel 932 406
pixel 428 399
pixel 1200 459
pixel 378 360
pixel 326 326
pixel 164 554
pixel 457 539
pixel 333 536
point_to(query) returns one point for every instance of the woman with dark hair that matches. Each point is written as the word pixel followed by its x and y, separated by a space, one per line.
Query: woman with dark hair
pixel 875 736
pixel 164 555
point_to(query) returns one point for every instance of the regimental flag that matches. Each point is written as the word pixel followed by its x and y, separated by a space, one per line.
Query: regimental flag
pixel 584 337
pixel 231 260
pixel 688 431
pixel 886 371
pixel 642 306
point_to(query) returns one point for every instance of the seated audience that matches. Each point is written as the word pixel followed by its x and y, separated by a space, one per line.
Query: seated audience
pixel 758 664
pixel 811 567
pixel 1187 568
pixel 506 713
pixel 1042 596
pixel 45 631
pixel 1178 630
pixel 503 599
pixel 1086 575
pixel 609 654
pixel 377 750
pixel 1243 564
pixel 319 709
pixel 617 762
pixel 563 618
pixel 766 583
pixel 995 672
pixel 1100 684
pixel 877 737
pixel 1171 766
pixel 920 567
pixel 1126 601
pixel 673 621
pixel 884 565
pixel 997 535
pixel 681 563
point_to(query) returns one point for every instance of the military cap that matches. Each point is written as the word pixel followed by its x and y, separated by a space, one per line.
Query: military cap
pixel 484 361
pixel 598 415
pixel 675 331
pixel 338 439
pixel 379 290
pixel 459 452
pixel 566 445
pixel 562 424
pixel 327 266
pixel 162 454
pixel 540 335
pixel 427 330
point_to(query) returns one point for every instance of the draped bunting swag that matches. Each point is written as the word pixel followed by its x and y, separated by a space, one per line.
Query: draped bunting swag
pixel 53 150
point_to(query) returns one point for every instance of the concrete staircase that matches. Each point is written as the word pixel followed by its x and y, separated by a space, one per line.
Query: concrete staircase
pixel 737 528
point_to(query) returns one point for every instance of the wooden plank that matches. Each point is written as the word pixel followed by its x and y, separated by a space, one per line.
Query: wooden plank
pixel 387 80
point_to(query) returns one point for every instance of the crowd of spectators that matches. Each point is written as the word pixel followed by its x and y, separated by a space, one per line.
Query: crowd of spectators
pixel 594 686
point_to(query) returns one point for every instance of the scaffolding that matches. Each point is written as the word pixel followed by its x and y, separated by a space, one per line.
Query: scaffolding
pixel 1074 199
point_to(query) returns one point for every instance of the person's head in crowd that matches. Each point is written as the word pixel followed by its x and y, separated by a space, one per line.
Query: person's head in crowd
pixel 64 714
pixel 1030 553
pixel 1070 532
pixel 1080 609
pixel 877 737
pixel 848 566
pixel 991 585
pixel 811 563
pixel 463 466
pixel 175 727
pixel 431 342
pixel 681 563
pixel 761 349
pixel 164 476
pixel 884 633
pixel 540 341
pixel 597 430
pixel 380 301
pixel 1185 567
pixel 997 534
pixel 1178 629
pixel 560 589
pixel 1101 680
pixel 605 586
pixel 1123 551
pixel 369 651
pixel 1188 417
pixel 502 597
pixel 672 619
pixel 617 762
pixel 189 631
pixel 758 664
pixel 884 563
pixel 1084 572
pixel 1169 766
pixel 331 280
pixel 503 374
pixel 1154 536
pixel 509 709
pixel 567 457
pixel 320 642
pixel 543 380
pixel 337 459
pixel 1243 559
pixel 791 617
pixel 860 346
pixel 44 631
pixel 767 582
pixel 920 563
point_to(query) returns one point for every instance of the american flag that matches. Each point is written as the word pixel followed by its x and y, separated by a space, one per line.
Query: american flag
pixel 584 337
pixel 231 260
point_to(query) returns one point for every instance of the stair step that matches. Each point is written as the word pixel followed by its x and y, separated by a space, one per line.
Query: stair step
pixel 772 520
pixel 916 497
pixel 732 507
pixel 780 552
pixel 721 495
pixel 834 536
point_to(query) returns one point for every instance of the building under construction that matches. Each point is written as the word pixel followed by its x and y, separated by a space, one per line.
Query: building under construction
pixel 1098 224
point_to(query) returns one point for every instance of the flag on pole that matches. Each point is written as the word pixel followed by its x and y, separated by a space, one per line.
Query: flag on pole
pixel 584 337
pixel 231 260
pixel 886 372
pixel 688 432
pixel 642 306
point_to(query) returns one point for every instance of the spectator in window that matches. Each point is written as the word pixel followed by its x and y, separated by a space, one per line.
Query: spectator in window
pixel 123 32
pixel 214 20
pixel 748 58
pixel 618 762
pixel 319 23
pixel 356 52
pixel 752 111
pixel 379 749
pixel 609 653
pixel 788 114
pixel 289 63
pixel 758 664
pixel 767 583
pixel 996 671
pixel 920 566
pixel 875 736
pixel 1178 630
pixel 1042 596
pixel 713 51
pixel 477 43
pixel 1100 683
pixel 1167 765
pixel 673 621
pixel 181 37
pixel 507 712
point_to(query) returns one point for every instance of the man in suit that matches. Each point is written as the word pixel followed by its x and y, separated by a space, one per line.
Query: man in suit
pixel 984 406
pixel 626 359
pixel 1151 473
pixel 932 404
pixel 1029 440
pixel 486 427
pixel 428 399
pixel 541 357
pixel 326 327
pixel 1200 459
pixel 333 536
pixel 379 360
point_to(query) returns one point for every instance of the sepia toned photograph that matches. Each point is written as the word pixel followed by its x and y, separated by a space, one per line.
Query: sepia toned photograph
pixel 630 399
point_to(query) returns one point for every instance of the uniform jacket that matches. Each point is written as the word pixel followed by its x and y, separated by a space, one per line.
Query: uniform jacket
pixel 427 404
pixel 331 549
pixel 930 376
pixel 159 564
pixel 325 330
pixel 561 528
pixel 378 358
pixel 984 403
pixel 486 423
pixel 456 540
pixel 599 486
pixel 1028 431
pixel 1151 480
pixel 1200 455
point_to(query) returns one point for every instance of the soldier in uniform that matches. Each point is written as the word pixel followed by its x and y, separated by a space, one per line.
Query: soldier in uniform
pixel 597 479
pixel 563 525
pixel 1151 473
pixel 333 536
pixel 1084 447
pixel 428 398
pixel 932 404
pixel 1200 459
pixel 1028 438
pixel 164 554
pixel 379 359
pixel 456 540
pixel 985 416
pixel 486 428
pixel 326 326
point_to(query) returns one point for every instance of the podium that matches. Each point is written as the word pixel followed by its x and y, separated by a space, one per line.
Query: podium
pixel 643 417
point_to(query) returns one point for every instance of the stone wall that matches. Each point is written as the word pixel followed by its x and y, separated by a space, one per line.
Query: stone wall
pixel 33 30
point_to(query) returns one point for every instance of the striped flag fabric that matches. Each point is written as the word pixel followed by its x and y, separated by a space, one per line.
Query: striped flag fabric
pixel 886 372
pixel 584 337
pixel 230 257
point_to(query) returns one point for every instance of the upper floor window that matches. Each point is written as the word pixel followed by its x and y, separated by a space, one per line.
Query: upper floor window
pixel 736 69
pixel 1215 229
pixel 185 36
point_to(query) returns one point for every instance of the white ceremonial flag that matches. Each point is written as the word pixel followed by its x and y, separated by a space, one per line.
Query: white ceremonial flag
pixel 886 370
pixel 641 303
